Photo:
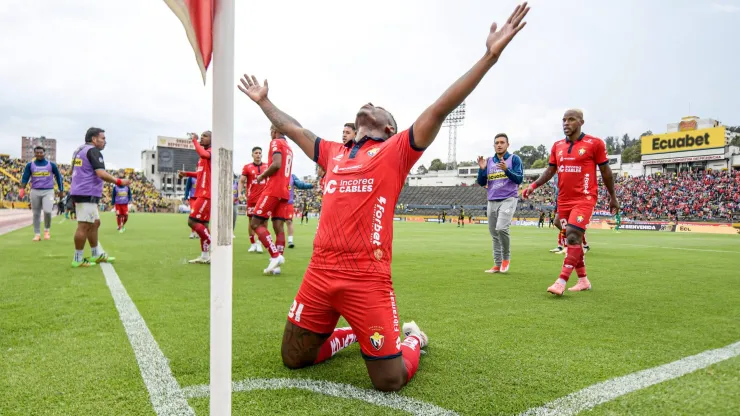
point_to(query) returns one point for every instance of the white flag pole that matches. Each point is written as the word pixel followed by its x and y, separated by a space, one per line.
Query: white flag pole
pixel 222 172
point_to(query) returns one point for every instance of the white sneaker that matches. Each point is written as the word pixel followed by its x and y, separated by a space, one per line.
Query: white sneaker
pixel 192 236
pixel 275 262
pixel 586 249
pixel 200 260
pixel 557 250
pixel 410 328
pixel 252 249
pixel 276 271
pixel 259 248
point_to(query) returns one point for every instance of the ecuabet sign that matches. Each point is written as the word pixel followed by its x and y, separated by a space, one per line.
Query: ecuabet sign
pixel 684 140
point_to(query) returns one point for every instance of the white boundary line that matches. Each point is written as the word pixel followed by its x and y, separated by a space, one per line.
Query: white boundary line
pixel 603 392
pixel 164 392
pixel 345 391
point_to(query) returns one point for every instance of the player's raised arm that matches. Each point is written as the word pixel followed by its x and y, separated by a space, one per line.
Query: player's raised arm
pixel 286 124
pixel 428 124
pixel 202 152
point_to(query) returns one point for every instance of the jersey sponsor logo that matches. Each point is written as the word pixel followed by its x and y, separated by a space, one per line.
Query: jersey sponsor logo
pixel 78 161
pixel 346 168
pixel 570 169
pixel 338 157
pixel 586 180
pixel 377 341
pixel 378 212
pixel 122 193
pixel 496 176
pixel 349 186
pixel 42 173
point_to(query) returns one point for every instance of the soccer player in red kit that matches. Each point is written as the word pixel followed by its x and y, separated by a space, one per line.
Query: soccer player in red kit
pixel 200 213
pixel 273 202
pixel 248 181
pixel 350 270
pixel 575 159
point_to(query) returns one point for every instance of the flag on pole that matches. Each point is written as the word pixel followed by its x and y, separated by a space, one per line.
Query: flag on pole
pixel 197 19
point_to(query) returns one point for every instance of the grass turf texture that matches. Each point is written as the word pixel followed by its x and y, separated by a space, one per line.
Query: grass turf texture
pixel 499 343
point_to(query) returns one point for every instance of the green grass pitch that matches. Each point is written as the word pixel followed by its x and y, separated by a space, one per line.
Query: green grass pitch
pixel 499 344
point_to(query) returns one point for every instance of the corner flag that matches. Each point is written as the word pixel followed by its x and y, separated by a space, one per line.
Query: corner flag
pixel 197 19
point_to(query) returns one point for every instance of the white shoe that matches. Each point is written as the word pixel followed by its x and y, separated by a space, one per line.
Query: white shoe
pixel 259 248
pixel 276 271
pixel 557 250
pixel 275 263
pixel 410 328
pixel 201 260
pixel 192 236
pixel 252 249
pixel 586 249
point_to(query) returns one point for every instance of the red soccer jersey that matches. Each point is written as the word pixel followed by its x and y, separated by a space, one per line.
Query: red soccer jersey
pixel 254 188
pixel 576 163
pixel 203 178
pixel 278 185
pixel 362 184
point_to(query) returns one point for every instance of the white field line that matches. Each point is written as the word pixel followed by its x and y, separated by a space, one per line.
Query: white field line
pixel 389 400
pixel 603 392
pixel 164 392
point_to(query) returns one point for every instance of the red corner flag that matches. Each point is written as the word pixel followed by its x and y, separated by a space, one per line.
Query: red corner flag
pixel 197 19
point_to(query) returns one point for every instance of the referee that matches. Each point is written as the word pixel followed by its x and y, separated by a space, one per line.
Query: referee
pixel 501 175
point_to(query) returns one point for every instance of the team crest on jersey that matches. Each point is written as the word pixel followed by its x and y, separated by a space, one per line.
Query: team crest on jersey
pixel 378 253
pixel 372 152
pixel 581 151
pixel 377 341
pixel 579 218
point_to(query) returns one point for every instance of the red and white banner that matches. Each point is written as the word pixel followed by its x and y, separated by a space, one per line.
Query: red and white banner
pixel 197 19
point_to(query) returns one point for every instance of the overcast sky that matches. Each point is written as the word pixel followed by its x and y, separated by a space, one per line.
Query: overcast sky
pixel 126 66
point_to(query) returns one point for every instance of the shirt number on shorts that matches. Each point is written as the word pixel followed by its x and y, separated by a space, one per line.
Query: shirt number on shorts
pixel 295 311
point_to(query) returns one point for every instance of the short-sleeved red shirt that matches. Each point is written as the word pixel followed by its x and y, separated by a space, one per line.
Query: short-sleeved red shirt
pixel 362 183
pixel 203 178
pixel 254 188
pixel 576 164
pixel 278 185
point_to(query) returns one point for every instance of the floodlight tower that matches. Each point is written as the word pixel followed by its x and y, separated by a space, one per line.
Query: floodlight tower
pixel 454 119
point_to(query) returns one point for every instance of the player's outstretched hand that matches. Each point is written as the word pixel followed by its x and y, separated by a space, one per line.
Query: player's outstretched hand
pixel 252 88
pixel 482 162
pixel 499 38
pixel 180 174
pixel 125 182
pixel 528 191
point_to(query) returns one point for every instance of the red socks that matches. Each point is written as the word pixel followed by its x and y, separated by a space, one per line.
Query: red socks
pixel 125 219
pixel 573 258
pixel 205 236
pixel 280 243
pixel 118 221
pixel 266 240
pixel 339 340
pixel 411 351
pixel 561 239
pixel 251 238
pixel 581 265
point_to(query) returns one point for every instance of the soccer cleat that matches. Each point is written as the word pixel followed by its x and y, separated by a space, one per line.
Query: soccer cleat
pixel 103 258
pixel 583 284
pixel 276 271
pixel 557 250
pixel 412 329
pixel 37 237
pixel 275 262
pixel 557 289
pixel 494 269
pixel 192 236
pixel 586 249
pixel 252 249
pixel 291 245
pixel 505 266
pixel 200 260
pixel 84 263
pixel 259 248
pixel 47 235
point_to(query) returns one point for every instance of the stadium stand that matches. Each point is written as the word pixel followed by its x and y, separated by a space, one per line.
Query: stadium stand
pixel 146 197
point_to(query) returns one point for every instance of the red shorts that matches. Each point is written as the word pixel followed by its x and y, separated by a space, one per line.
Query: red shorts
pixel 286 212
pixel 269 207
pixel 192 203
pixel 368 306
pixel 250 208
pixel 576 214
pixel 121 209
pixel 200 210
